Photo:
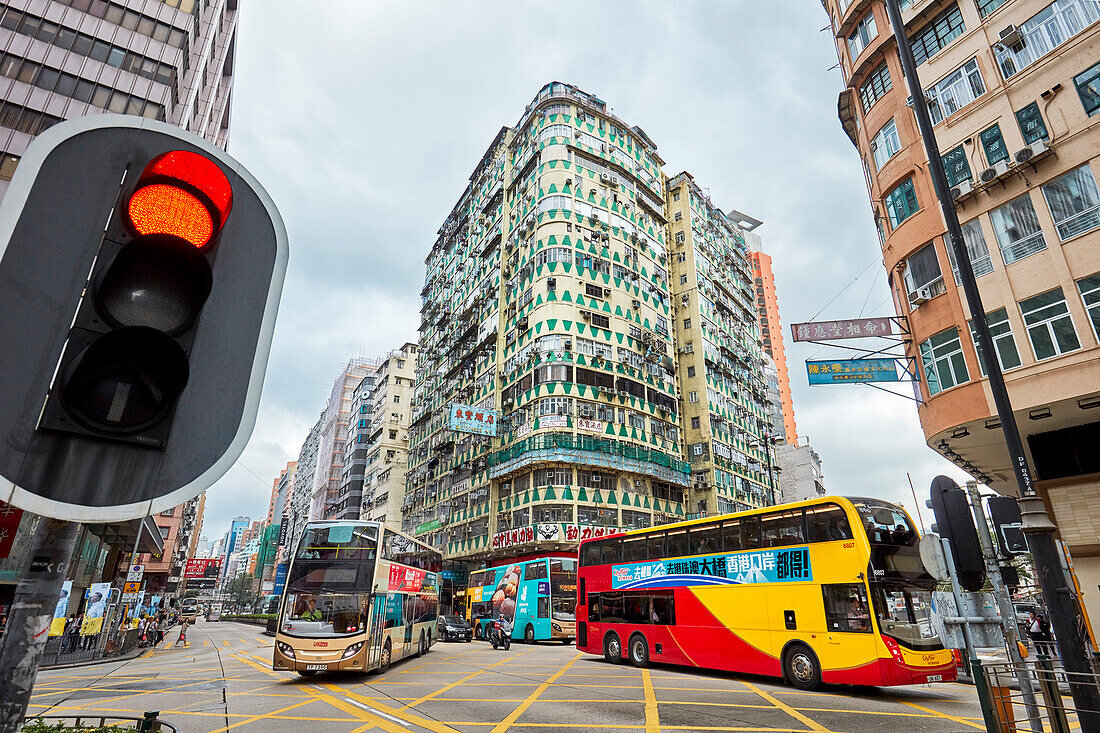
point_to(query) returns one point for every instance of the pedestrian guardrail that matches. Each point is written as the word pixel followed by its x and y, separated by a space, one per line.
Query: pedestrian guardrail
pixel 66 649
pixel 150 722
pixel 1002 701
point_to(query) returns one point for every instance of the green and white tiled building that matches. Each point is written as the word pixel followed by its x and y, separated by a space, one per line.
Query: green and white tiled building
pixel 604 315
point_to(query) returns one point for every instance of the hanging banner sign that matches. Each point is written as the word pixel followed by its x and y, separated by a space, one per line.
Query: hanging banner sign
pixel 591 426
pixel 842 371
pixel 850 329
pixel 479 421
pixel 57 626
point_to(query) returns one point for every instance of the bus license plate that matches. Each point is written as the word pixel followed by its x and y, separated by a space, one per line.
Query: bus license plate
pixel 935 678
pixel 321 667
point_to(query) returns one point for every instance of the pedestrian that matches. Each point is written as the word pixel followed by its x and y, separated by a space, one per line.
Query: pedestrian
pixel 183 634
pixel 1038 630
pixel 158 627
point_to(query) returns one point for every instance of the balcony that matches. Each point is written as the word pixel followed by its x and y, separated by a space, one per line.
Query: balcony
pixel 611 454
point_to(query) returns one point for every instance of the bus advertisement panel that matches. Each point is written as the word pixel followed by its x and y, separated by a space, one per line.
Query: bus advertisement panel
pixel 537 596
pixel 822 591
pixel 358 596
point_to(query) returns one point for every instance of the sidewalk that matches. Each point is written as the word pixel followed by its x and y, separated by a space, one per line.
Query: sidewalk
pixel 123 657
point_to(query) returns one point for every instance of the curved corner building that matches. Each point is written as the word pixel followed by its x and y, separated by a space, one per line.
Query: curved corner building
pixel 557 313
pixel 1013 88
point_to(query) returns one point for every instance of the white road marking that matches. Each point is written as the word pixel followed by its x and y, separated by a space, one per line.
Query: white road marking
pixel 371 710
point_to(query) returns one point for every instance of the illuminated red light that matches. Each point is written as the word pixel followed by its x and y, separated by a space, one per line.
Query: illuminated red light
pixel 183 194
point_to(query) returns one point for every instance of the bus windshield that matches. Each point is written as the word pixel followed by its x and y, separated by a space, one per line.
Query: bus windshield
pixel 339 542
pixel 325 614
pixel 893 540
pixel 904 614
pixel 563 589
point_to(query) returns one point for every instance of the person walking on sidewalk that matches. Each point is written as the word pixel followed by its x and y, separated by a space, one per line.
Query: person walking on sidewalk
pixel 183 634
pixel 1039 631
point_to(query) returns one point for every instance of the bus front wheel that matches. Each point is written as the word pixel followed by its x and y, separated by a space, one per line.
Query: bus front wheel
pixel 387 655
pixel 639 651
pixel 307 672
pixel 612 648
pixel 801 668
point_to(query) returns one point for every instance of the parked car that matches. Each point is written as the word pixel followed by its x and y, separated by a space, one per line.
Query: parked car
pixel 454 627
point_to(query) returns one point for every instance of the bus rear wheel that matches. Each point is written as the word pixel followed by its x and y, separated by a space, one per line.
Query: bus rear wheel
pixel 801 668
pixel 529 634
pixel 639 651
pixel 612 648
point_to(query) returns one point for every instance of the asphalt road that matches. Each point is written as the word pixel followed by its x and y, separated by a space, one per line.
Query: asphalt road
pixel 224 681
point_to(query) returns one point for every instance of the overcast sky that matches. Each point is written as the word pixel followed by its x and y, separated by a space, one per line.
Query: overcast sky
pixel 365 121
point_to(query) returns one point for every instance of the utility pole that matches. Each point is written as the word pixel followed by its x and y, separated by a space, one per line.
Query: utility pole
pixel 1036 524
pixel 31 614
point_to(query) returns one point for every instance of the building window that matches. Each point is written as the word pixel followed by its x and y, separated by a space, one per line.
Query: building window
pixel 940 31
pixel 1031 124
pixel 687 323
pixel 955 91
pixel 680 236
pixel 985 7
pixel 993 143
pixel 683 279
pixel 944 365
pixel 1017 229
pixel 1088 88
pixel 956 166
pixel 980 259
pixel 697 449
pixel 691 371
pixel 600 321
pixel 1074 202
pixel 675 195
pixel 923 279
pixel 693 396
pixel 877 84
pixel 861 37
pixel 901 203
pixel 886 144
pixel 694 423
pixel 679 216
pixel 1001 331
pixel 1089 288
pixel 1045 31
pixel 1049 324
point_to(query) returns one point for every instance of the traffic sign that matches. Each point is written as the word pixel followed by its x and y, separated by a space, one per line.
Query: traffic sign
pixel 131 587
pixel 135 572
pixel 142 343
pixel 931 554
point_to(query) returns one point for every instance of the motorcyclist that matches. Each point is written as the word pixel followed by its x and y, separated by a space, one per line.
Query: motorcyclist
pixel 503 631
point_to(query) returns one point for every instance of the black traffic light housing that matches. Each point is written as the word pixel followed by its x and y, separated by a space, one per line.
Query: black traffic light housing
pixel 141 354
pixel 955 522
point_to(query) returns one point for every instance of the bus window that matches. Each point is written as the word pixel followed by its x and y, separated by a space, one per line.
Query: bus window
pixel 611 608
pixel 826 523
pixel 782 528
pixel 636 608
pixel 705 540
pixel 662 610
pixel 535 570
pixel 677 543
pixel 634 549
pixel 846 607
pixel 611 551
pixel 590 552
pixel 731 535
pixel 594 607
pixel 886 524
pixel 544 607
pixel 655 546
pixel 750 533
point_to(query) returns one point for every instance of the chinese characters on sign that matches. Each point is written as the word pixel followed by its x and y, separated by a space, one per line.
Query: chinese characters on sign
pixel 760 566
pixel 468 419
pixel 592 426
pixel 828 330
pixel 549 533
pixel 9 523
pixel 852 370
pixel 406 579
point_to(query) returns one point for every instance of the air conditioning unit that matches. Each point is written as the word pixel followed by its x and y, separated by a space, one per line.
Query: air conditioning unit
pixel 1034 150
pixel 586 315
pixel 551 283
pixel 604 178
pixel 999 169
pixel 636 304
pixel 623 393
pixel 568 345
pixel 1010 37
pixel 964 188
pixel 606 292
pixel 921 296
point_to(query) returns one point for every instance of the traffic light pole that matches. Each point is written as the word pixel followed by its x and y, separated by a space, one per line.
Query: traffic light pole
pixel 1040 530
pixel 31 614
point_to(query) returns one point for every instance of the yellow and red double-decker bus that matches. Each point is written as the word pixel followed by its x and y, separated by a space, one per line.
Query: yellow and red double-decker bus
pixel 830 590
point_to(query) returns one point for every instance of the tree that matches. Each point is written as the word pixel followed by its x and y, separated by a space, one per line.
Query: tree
pixel 240 591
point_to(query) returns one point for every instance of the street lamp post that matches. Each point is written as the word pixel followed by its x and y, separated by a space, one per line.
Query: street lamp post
pixel 1040 530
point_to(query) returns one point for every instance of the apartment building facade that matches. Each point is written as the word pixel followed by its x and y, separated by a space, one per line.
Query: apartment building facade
pixel 387 439
pixel 349 501
pixel 771 334
pixel 548 317
pixel 1013 88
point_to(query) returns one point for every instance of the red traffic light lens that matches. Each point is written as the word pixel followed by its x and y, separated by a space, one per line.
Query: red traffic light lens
pixel 183 194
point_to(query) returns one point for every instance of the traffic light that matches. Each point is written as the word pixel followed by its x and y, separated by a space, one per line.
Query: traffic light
pixel 955 523
pixel 1004 511
pixel 126 359
pixel 140 275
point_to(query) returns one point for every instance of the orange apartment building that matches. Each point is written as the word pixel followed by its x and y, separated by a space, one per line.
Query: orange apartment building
pixel 771 331
pixel 1013 88
pixel 180 528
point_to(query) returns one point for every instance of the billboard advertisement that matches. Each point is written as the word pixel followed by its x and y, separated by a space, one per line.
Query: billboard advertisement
pixel 476 420
pixel 280 578
pixel 202 572
pixel 844 371
pixel 57 626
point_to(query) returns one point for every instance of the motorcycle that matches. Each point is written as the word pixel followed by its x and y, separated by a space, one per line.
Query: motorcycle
pixel 501 634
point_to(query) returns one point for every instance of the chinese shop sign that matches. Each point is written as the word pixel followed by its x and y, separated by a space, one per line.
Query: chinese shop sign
pixel 468 419
pixel 852 370
pixel 850 329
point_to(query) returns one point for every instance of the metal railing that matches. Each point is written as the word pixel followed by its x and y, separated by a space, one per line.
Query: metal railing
pixel 66 649
pixel 1003 706
pixel 150 722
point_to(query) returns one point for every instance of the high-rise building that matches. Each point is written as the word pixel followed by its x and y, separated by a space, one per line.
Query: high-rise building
pixel 169 60
pixel 552 340
pixel 387 438
pixel 325 497
pixel 771 332
pixel 281 490
pixel 350 499
pixel 1013 90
